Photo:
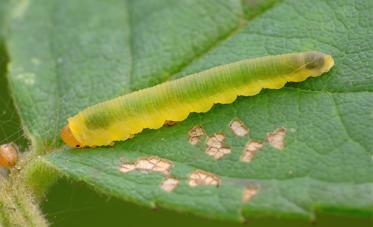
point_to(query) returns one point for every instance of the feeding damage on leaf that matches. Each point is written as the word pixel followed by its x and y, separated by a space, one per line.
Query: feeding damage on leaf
pixel 216 147
pixel 277 138
pixel 248 193
pixel 200 177
pixel 250 150
pixel 148 164
pixel 169 184
pixel 195 134
pixel 238 128
pixel 156 165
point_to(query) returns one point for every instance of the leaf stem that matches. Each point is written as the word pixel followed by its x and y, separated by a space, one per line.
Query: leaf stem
pixel 18 205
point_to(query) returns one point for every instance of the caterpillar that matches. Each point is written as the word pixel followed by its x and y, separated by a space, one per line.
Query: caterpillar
pixel 122 117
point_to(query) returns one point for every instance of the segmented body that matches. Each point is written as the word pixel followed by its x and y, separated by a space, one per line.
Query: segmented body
pixel 124 116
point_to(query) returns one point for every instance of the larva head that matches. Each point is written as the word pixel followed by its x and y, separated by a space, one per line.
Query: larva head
pixel 68 138
pixel 8 155
pixel 318 62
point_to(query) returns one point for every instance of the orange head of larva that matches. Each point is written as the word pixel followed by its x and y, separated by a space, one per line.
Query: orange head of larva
pixel 8 155
pixel 69 139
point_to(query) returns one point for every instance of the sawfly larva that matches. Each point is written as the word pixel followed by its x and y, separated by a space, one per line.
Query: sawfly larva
pixel 122 117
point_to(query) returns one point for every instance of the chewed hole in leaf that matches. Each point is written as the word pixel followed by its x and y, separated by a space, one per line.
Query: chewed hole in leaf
pixel 148 164
pixel 238 128
pixel 200 177
pixel 127 167
pixel 248 193
pixel 277 138
pixel 216 147
pixel 169 184
pixel 195 134
pixel 251 148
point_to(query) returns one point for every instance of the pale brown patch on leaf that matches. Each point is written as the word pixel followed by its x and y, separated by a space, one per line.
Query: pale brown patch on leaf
pixel 199 177
pixel 238 128
pixel 195 134
pixel 216 140
pixel 277 138
pixel 148 164
pixel 248 193
pixel 217 153
pixel 169 184
pixel 126 167
pixel 216 147
pixel 154 164
pixel 250 150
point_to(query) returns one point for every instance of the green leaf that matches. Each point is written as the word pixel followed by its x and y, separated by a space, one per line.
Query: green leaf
pixel 88 208
pixel 253 8
pixel 66 55
pixel 10 127
pixel 3 9
pixel 55 72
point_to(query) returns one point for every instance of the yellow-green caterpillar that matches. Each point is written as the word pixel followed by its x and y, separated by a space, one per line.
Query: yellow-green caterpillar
pixel 124 116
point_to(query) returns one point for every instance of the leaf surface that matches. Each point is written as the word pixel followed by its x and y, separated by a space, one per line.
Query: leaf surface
pixel 10 126
pixel 66 55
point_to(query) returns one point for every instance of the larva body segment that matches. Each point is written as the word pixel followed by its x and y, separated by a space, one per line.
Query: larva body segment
pixel 124 116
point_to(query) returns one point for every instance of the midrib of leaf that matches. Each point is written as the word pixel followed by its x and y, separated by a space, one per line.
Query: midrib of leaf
pixel 254 8
pixel 57 74
pixel 320 40
pixel 130 40
pixel 242 24
pixel 179 67
pixel 208 49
